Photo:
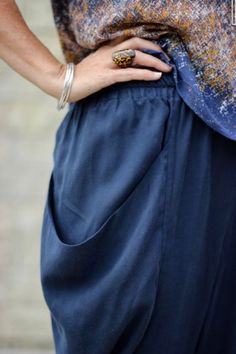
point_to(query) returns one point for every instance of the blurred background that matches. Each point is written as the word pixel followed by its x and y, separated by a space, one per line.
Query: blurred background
pixel 28 121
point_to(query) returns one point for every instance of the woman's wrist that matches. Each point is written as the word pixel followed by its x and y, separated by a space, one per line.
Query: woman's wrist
pixel 52 81
pixel 67 86
pixel 26 54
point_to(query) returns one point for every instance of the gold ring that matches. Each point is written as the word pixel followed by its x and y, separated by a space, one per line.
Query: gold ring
pixel 124 57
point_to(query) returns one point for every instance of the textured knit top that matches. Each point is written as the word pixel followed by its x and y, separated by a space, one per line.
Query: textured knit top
pixel 197 35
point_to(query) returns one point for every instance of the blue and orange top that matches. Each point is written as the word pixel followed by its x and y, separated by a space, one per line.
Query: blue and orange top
pixel 197 35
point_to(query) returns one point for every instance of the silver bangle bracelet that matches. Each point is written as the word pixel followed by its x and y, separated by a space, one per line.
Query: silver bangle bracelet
pixel 70 69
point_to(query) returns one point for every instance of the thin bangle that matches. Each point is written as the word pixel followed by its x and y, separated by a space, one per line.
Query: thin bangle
pixel 70 70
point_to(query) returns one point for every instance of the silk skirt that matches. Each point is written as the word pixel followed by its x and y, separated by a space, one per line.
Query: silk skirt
pixel 138 243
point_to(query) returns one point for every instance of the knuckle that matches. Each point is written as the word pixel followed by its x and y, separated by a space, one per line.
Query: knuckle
pixel 149 74
pixel 136 59
pixel 131 41
pixel 136 40
pixel 129 74
pixel 146 74
pixel 120 75
pixel 114 76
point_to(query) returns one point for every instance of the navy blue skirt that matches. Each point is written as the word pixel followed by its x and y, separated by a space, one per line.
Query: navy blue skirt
pixel 138 244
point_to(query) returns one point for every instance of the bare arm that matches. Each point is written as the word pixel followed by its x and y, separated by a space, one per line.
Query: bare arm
pixel 24 52
pixel 28 56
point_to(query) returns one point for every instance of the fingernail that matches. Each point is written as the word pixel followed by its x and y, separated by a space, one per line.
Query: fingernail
pixel 169 67
pixel 157 75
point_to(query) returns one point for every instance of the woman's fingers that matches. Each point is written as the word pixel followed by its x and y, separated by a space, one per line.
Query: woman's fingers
pixel 133 43
pixel 149 60
pixel 97 70
pixel 138 43
pixel 141 58
pixel 130 73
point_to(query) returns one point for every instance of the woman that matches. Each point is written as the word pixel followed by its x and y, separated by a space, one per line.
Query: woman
pixel 138 234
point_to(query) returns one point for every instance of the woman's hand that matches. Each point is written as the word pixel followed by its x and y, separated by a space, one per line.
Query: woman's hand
pixel 28 56
pixel 98 70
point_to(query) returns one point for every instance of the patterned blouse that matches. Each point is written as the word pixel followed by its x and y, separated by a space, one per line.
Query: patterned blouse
pixel 197 35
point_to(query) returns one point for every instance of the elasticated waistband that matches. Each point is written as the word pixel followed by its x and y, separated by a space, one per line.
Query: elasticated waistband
pixel 166 80
pixel 164 87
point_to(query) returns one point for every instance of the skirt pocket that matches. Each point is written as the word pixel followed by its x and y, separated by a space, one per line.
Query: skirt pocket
pixel 100 159
pixel 101 291
pixel 102 226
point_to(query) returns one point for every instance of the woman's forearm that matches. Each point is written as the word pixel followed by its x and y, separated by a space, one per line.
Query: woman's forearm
pixel 25 53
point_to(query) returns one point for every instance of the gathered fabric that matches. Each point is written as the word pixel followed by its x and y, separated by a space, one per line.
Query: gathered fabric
pixel 197 35
pixel 138 234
